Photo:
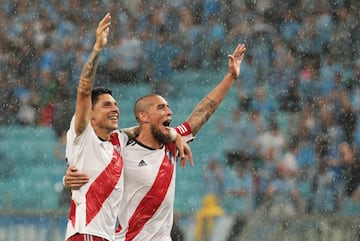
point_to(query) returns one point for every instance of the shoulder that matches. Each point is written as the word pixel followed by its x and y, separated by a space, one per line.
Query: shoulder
pixel 131 142
pixel 121 136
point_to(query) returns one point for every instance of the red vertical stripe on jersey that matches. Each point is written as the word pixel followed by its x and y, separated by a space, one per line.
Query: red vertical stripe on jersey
pixel 72 212
pixel 118 228
pixel 155 196
pixel 105 183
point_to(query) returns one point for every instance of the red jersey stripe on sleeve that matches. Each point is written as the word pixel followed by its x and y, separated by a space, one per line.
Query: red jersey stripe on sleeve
pixel 185 131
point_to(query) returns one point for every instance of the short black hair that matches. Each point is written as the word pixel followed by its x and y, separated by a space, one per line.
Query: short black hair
pixel 99 91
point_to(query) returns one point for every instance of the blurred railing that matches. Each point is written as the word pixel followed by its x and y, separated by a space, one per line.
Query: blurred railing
pixel 299 228
pixel 50 226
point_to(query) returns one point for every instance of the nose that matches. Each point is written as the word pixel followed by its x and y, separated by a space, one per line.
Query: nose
pixel 169 111
pixel 115 108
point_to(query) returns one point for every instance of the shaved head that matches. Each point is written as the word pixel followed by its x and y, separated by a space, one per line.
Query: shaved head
pixel 153 114
pixel 144 103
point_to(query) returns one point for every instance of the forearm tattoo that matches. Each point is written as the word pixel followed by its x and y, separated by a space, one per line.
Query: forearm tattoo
pixel 201 114
pixel 89 70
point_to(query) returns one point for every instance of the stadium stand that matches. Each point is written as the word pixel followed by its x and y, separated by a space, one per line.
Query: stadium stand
pixel 314 43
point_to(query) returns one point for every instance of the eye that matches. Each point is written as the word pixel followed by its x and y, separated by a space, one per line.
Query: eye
pixel 160 107
pixel 106 104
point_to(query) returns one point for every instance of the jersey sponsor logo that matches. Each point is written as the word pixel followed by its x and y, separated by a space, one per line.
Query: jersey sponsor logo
pixel 142 163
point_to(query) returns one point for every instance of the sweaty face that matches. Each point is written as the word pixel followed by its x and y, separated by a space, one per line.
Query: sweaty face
pixel 159 119
pixel 105 114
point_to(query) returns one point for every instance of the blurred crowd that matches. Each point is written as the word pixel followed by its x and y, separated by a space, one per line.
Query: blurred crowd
pixel 298 98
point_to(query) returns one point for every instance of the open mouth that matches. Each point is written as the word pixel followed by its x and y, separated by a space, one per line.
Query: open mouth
pixel 113 117
pixel 167 124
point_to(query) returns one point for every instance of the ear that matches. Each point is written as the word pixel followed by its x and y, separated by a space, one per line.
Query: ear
pixel 143 117
pixel 92 115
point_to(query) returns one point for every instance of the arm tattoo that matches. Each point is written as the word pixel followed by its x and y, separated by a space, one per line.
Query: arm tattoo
pixel 89 70
pixel 201 114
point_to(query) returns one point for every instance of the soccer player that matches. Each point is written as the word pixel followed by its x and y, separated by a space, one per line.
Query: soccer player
pixel 146 208
pixel 95 146
pixel 93 150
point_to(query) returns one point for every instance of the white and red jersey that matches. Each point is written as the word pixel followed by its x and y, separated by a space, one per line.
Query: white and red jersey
pixel 146 209
pixel 94 206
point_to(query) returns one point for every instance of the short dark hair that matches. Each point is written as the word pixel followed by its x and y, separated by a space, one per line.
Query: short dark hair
pixel 99 91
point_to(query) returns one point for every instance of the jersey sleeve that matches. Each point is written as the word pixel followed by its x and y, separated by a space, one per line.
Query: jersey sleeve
pixel 123 139
pixel 76 144
pixel 185 131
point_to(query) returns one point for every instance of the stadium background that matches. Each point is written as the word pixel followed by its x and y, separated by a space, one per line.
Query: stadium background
pixel 31 172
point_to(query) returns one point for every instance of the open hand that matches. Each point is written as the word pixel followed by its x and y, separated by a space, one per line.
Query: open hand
pixel 235 60
pixel 102 32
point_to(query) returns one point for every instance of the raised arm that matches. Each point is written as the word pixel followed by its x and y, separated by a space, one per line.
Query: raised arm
pixel 207 106
pixel 83 98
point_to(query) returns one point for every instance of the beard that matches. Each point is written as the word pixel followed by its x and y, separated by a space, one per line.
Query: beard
pixel 161 138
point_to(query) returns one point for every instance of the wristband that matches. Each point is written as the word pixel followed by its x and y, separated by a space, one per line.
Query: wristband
pixel 173 134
